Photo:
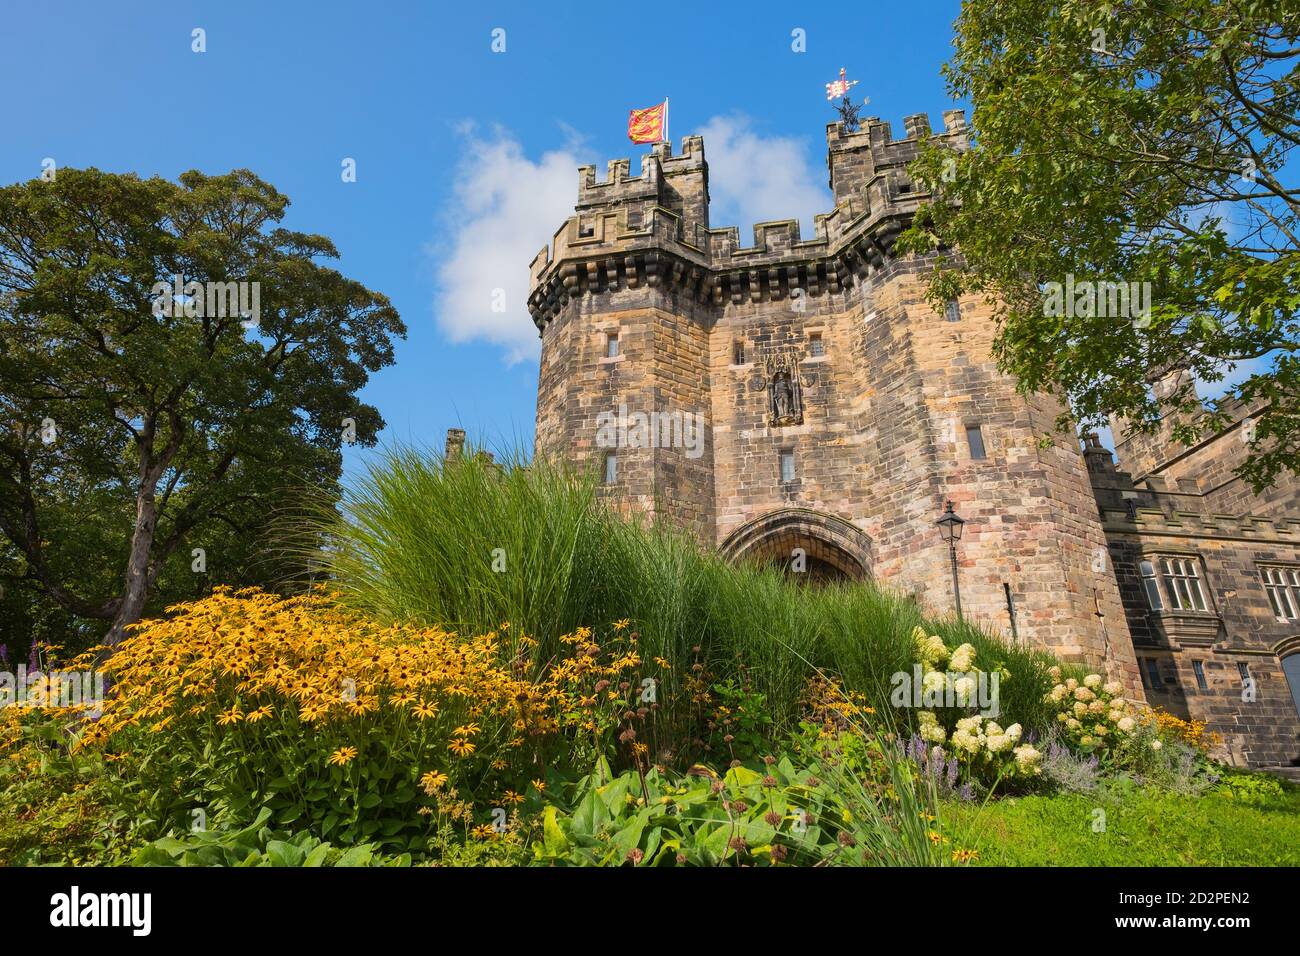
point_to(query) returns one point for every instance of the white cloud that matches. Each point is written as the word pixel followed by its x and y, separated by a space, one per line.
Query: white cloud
pixel 755 178
pixel 506 206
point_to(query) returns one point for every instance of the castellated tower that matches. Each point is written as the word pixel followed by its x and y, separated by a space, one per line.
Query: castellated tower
pixel 839 411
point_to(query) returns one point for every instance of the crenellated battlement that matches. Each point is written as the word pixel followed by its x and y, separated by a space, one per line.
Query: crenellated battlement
pixel 1195 524
pixel 1157 505
pixel 629 231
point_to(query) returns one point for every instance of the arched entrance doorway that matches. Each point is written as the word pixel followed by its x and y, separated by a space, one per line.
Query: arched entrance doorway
pixel 1288 652
pixel 827 548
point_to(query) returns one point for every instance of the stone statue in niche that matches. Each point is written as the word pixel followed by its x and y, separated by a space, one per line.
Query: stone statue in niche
pixel 784 390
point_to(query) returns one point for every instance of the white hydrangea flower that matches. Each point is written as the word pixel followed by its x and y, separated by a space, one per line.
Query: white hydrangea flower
pixel 996 743
pixel 934 682
pixel 1156 745
pixel 1054 672
pixel 1083 694
pixel 1071 684
pixel 1097 707
pixel 1113 687
pixel 968 736
pixel 1014 731
pixel 1126 724
pixel 1072 723
pixel 964 691
pixel 1027 759
pixel 934 734
pixel 1092 681
pixel 1081 709
pixel 963 658
pixel 929 649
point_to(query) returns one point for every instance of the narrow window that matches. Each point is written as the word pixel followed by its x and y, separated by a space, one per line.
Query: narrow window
pixel 952 311
pixel 1151 585
pixel 1151 671
pixel 1183 583
pixel 1243 671
pixel 787 465
pixel 611 468
pixel 816 346
pixel 738 352
pixel 611 345
pixel 975 439
pixel 1282 585
pixel 1199 670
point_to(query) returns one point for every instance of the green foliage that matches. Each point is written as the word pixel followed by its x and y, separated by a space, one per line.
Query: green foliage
pixel 1131 142
pixel 1258 789
pixel 834 811
pixel 258 845
pixel 59 809
pixel 742 725
pixel 414 540
pixel 170 430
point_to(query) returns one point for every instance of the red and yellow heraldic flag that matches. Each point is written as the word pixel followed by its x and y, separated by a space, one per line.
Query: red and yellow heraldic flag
pixel 648 125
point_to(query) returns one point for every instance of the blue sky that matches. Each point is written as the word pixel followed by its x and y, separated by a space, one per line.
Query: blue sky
pixel 466 159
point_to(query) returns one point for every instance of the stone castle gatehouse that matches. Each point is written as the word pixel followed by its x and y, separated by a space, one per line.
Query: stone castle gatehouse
pixel 839 412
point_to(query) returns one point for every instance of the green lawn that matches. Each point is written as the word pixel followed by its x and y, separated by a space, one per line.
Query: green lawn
pixel 1142 828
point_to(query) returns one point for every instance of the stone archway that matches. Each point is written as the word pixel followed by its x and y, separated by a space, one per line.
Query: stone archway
pixel 835 549
pixel 1288 656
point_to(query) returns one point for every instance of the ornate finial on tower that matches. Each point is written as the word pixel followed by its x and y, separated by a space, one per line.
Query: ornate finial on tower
pixel 848 110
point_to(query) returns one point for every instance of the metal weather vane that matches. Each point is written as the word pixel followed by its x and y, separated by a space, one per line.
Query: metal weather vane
pixel 848 110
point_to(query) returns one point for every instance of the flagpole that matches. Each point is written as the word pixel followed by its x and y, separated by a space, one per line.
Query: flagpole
pixel 667 138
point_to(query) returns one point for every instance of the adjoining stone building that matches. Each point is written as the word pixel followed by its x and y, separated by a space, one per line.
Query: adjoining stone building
pixel 839 412
pixel 1210 577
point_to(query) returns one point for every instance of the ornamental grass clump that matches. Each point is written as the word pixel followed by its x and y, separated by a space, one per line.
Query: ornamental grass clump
pixel 465 544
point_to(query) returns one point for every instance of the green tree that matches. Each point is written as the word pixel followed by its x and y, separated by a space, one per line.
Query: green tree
pixel 1145 141
pixel 140 425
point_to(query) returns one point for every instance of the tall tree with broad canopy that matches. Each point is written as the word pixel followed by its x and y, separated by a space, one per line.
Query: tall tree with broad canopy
pixel 1145 141
pixel 142 432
